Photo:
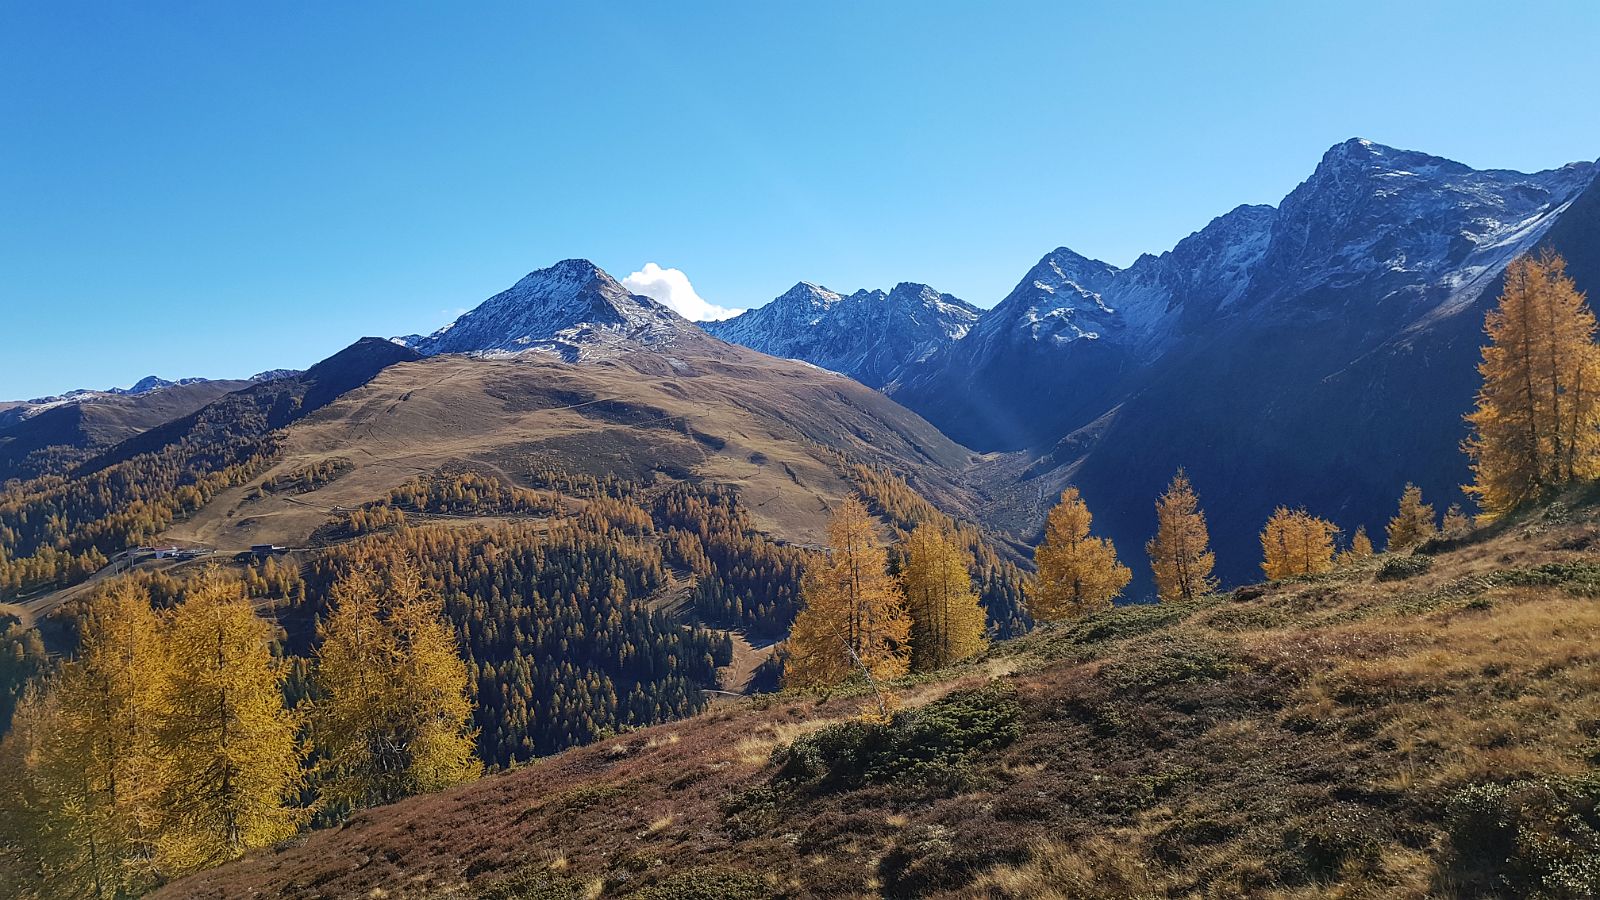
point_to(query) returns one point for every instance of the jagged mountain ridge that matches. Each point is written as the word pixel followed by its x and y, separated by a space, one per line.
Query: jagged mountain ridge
pixel 1320 353
pixel 572 309
pixel 870 335
pixel 1420 234
pixel 1269 352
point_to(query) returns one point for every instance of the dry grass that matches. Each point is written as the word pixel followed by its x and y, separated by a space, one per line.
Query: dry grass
pixel 755 749
pixel 1096 869
pixel 658 825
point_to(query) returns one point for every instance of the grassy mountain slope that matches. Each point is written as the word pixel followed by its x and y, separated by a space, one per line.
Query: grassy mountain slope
pixel 1418 726
pixel 769 428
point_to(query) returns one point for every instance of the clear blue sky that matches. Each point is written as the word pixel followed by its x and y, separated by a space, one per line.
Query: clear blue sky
pixel 217 188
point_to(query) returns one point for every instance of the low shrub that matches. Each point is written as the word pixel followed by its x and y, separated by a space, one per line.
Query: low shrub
pixel 1579 578
pixel 928 859
pixel 1537 838
pixel 752 812
pixel 1170 661
pixel 931 745
pixel 1128 621
pixel 707 883
pixel 533 883
pixel 1400 568
pixel 1338 836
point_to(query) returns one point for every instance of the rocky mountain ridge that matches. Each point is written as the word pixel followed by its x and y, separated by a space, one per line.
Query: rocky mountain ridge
pixel 870 335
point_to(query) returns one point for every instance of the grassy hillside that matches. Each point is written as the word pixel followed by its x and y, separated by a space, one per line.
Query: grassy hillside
pixel 1419 726
pixel 766 427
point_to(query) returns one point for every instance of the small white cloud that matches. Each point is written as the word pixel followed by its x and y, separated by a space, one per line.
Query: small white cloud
pixel 672 288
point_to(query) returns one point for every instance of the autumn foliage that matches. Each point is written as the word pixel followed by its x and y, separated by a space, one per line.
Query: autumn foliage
pixel 1360 549
pixel 1078 573
pixel 1180 553
pixel 854 618
pixel 1294 542
pixel 395 718
pixel 1537 421
pixel 947 624
pixel 1413 523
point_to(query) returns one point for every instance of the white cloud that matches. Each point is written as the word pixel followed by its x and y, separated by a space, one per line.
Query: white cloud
pixel 672 288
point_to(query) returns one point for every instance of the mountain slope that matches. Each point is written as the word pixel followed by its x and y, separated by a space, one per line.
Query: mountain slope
pixel 869 335
pixel 1397 731
pixel 572 309
pixel 1321 353
pixel 45 436
pixel 773 429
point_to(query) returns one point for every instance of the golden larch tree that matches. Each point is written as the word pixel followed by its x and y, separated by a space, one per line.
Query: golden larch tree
pixel 853 617
pixel 947 623
pixel 433 685
pixel 1078 573
pixel 82 769
pixel 395 718
pixel 38 843
pixel 1294 542
pixel 1413 523
pixel 1180 553
pixel 1456 521
pixel 1360 549
pixel 101 761
pixel 233 762
pixel 1537 422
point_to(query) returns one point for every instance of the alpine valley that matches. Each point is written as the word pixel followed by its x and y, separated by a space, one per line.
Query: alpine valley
pixel 623 519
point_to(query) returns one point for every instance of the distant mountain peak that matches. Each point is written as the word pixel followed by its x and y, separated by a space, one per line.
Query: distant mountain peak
pixel 1062 267
pixel 149 383
pixel 573 309
pixel 810 293
pixel 869 335
pixel 1361 157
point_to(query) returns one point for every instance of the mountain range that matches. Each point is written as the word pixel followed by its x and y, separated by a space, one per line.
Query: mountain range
pixel 617 505
pixel 1319 352
pixel 869 335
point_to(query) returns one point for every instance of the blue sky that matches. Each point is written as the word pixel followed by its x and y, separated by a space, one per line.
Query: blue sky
pixel 219 188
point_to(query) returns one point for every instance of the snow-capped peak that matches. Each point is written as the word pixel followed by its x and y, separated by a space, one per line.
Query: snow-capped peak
pixel 869 335
pixel 573 309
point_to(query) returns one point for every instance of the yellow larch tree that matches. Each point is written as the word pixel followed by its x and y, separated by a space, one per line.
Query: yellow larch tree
pixel 1294 542
pixel 1360 549
pixel 232 758
pixel 1413 523
pixel 1077 573
pixel 854 618
pixel 1537 422
pixel 1456 521
pixel 108 701
pixel 947 623
pixel 351 725
pixel 91 765
pixel 433 685
pixel 37 843
pixel 1180 553
pixel 395 718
